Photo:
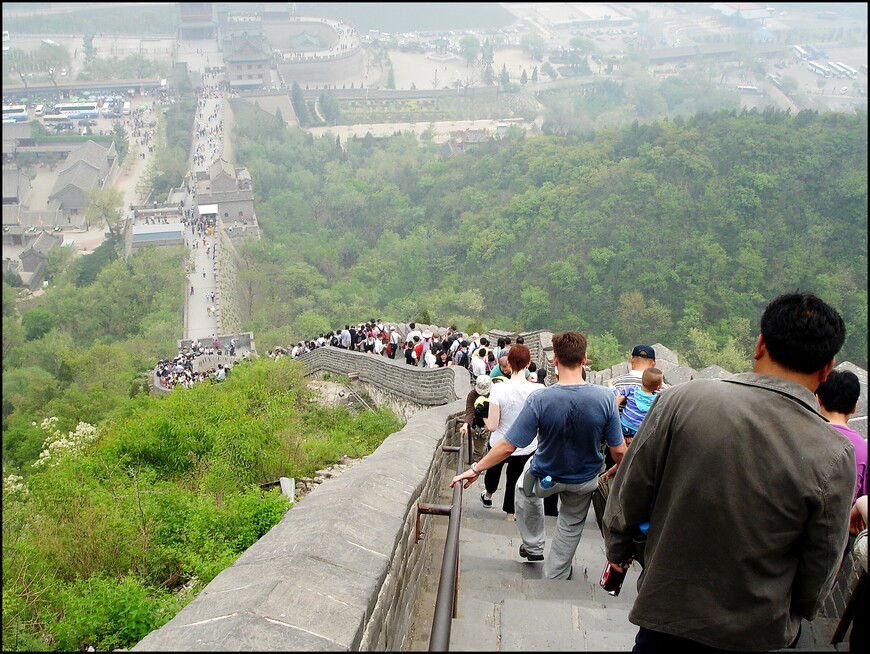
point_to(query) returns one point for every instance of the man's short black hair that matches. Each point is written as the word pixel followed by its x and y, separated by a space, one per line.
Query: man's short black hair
pixel 802 332
pixel 840 391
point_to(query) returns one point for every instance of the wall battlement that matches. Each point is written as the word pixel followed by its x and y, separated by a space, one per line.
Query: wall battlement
pixel 341 570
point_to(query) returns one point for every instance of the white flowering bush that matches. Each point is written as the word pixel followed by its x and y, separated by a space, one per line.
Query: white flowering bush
pixel 58 445
pixel 15 486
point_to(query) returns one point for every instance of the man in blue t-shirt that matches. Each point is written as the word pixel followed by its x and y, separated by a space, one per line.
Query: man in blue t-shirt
pixel 572 420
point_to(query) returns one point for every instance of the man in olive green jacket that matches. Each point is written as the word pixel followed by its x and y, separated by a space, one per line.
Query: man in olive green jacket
pixel 747 491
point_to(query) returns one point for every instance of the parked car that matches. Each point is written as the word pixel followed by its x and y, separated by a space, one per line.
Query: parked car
pixel 63 126
pixel 111 114
pixel 87 122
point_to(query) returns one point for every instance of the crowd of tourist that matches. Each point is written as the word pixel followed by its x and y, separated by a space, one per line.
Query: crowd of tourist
pixel 179 371
pixel 769 450
pixel 423 348
pixel 210 127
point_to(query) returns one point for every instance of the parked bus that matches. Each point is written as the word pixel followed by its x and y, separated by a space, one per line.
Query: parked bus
pixel 819 69
pixel 800 52
pixel 836 70
pixel 749 89
pixel 16 112
pixel 52 115
pixel 73 110
pixel 851 72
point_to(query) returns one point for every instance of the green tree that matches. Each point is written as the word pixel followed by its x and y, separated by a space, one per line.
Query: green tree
pixel 37 322
pixel 9 295
pixel 469 47
pixel 297 99
pixel 104 208
pixel 604 351
pixel 582 45
pixel 309 325
pixel 534 45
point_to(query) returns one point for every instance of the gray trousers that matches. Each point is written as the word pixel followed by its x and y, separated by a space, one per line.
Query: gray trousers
pixel 574 505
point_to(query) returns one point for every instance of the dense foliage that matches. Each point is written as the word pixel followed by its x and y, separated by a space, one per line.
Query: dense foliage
pixel 79 351
pixel 675 231
pixel 99 539
pixel 150 20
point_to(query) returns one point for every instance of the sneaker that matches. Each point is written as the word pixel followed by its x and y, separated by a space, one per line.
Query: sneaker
pixel 530 557
pixel 486 501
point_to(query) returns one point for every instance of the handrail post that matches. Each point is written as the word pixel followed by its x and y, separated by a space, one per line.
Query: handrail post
pixel 448 584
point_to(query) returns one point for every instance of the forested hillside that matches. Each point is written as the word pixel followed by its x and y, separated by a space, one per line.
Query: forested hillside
pixel 677 231
pixel 118 525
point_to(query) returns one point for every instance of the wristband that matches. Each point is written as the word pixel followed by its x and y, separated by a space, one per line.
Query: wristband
pixel 475 470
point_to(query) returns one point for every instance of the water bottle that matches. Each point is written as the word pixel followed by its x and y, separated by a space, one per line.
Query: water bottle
pixel 640 542
pixel 547 482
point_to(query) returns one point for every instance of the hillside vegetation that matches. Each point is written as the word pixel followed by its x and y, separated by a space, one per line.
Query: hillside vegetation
pixel 676 231
pixel 100 539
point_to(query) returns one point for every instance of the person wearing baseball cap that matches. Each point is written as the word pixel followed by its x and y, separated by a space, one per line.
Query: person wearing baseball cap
pixel 476 397
pixel 642 357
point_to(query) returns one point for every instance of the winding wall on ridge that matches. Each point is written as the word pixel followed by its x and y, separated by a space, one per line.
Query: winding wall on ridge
pixel 341 570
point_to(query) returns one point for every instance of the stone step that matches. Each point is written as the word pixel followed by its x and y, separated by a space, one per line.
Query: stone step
pixel 476 626
pixel 540 625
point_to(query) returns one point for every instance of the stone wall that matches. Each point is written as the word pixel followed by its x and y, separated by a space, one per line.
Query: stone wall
pixel 341 570
pixel 420 386
pixel 229 316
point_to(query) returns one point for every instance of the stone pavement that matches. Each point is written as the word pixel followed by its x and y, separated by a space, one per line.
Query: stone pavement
pixel 199 323
pixel 503 604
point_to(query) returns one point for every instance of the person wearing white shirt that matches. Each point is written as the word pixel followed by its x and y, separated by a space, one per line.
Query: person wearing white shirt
pixel 506 400
pixel 478 362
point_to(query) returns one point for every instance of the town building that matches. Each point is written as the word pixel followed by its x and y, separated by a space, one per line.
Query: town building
pixel 248 61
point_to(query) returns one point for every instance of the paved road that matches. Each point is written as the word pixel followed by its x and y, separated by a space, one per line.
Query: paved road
pixel 199 322
pixel 208 143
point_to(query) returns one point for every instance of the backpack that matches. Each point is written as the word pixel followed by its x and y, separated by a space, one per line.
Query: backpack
pixel 481 410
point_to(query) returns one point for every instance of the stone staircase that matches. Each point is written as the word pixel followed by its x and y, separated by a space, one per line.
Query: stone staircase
pixel 503 604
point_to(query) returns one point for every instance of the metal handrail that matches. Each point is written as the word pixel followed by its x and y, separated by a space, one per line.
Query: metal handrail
pixel 448 584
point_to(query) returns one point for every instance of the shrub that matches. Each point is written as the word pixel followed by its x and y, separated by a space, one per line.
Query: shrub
pixel 107 613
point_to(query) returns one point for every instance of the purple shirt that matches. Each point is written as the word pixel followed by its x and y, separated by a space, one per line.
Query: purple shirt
pixel 860 458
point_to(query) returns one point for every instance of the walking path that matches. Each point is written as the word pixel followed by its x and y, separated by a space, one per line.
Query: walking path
pixel 200 316
pixel 503 604
pixel 200 320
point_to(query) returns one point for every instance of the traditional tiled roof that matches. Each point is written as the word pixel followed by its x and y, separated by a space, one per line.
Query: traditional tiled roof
pixel 247 47
pixel 15 183
pixel 81 175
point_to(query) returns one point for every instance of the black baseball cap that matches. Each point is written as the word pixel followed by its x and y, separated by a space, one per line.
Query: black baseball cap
pixel 644 351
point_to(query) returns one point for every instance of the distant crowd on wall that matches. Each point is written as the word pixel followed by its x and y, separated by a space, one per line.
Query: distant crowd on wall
pixel 422 348
pixel 179 371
